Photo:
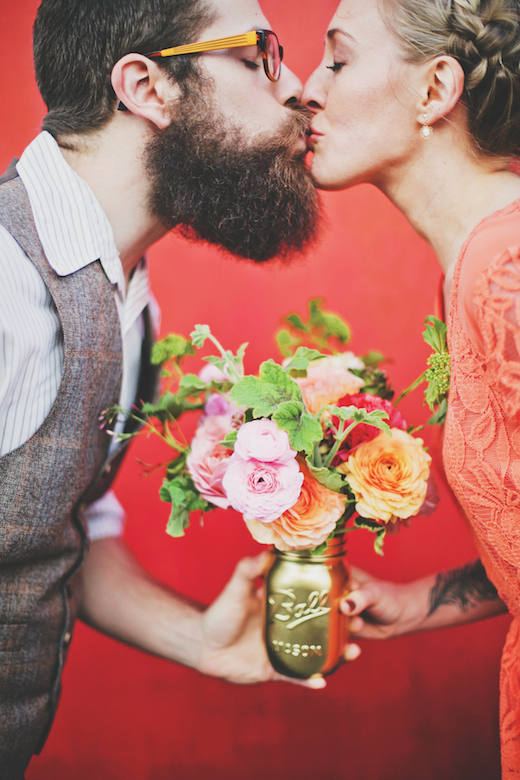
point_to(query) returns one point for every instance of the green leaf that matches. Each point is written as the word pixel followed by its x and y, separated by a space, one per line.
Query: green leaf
pixel 377 528
pixel 376 417
pixel 169 406
pixel 302 357
pixel 177 467
pixel 286 342
pixel 229 440
pixel 296 321
pixel 336 327
pixel 435 333
pixel 333 325
pixel 373 359
pixel 190 386
pixel 184 498
pixel 415 384
pixel 440 415
pixel 265 393
pixel 172 346
pixel 303 429
pixel 199 335
pixel 329 478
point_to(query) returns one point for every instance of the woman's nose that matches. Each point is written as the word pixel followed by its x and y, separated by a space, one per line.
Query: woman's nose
pixel 314 95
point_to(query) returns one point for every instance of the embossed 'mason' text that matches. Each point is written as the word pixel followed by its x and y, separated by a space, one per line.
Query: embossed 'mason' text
pixel 292 614
pixel 296 650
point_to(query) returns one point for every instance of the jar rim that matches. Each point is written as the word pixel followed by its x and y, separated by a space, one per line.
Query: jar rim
pixel 336 548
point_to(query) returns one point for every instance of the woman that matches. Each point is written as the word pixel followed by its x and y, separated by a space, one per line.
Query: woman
pixel 422 99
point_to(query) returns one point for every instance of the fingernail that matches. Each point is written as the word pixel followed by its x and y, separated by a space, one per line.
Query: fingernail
pixel 350 604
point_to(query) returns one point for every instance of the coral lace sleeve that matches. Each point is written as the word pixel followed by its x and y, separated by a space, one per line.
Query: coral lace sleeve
pixel 481 450
pixel 492 321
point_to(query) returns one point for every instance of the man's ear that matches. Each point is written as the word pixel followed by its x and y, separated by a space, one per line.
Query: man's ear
pixel 443 86
pixel 144 88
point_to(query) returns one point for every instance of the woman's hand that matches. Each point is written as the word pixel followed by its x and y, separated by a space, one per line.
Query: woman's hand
pixel 379 609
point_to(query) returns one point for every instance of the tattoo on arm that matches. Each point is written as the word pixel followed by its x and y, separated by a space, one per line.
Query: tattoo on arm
pixel 465 587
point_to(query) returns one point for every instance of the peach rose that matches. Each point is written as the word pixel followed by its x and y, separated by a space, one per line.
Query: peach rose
pixel 327 381
pixel 306 524
pixel 389 476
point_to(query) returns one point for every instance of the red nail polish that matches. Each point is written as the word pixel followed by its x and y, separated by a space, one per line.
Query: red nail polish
pixel 351 605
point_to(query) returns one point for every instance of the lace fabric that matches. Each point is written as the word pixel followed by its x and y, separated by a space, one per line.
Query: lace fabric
pixel 481 450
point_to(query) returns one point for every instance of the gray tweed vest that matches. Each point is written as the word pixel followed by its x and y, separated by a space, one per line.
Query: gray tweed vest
pixel 44 484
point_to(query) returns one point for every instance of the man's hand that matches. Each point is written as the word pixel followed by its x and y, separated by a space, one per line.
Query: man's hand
pixel 223 640
pixel 231 645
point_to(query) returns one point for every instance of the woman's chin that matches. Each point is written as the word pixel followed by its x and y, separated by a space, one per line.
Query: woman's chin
pixel 326 177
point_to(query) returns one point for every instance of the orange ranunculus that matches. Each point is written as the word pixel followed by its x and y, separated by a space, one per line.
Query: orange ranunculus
pixel 308 523
pixel 328 380
pixel 389 476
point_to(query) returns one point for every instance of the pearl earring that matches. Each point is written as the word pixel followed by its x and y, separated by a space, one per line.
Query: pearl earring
pixel 426 130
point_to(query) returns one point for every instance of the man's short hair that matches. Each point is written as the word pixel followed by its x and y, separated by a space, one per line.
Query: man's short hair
pixel 78 42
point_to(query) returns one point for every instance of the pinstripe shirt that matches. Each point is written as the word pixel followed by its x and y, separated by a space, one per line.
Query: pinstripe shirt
pixel 74 232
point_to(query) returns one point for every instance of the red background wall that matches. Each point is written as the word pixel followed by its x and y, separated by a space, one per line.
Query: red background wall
pixel 417 708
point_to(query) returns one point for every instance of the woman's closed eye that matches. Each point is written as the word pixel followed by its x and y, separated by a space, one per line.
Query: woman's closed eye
pixel 335 67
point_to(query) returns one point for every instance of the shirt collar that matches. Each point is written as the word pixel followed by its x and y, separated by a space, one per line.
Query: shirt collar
pixel 71 224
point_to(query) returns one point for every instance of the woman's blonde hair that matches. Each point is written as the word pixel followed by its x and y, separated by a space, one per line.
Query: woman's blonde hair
pixel 484 36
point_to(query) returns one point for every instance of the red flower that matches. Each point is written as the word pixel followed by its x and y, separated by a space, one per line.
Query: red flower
pixel 363 432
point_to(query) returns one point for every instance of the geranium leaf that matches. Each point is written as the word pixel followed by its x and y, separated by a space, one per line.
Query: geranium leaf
pixel 329 478
pixel 302 428
pixel 172 346
pixel 376 417
pixel 229 440
pixel 286 342
pixel 199 335
pixel 190 386
pixel 302 357
pixel 184 497
pixel 265 393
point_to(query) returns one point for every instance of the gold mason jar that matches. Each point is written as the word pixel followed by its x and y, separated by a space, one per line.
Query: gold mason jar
pixel 304 630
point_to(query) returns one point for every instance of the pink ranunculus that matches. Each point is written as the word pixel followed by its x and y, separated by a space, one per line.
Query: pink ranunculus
pixel 208 460
pixel 363 432
pixel 210 373
pixel 263 440
pixel 218 404
pixel 262 490
pixel 308 523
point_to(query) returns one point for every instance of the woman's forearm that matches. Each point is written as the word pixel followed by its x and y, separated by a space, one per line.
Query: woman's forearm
pixel 441 600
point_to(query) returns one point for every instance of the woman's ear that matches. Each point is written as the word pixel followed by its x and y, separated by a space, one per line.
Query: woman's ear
pixel 443 86
pixel 144 88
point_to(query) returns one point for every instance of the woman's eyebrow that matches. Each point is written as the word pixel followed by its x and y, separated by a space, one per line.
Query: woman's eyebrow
pixel 331 33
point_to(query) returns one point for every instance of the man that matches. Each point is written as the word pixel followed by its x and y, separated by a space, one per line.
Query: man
pixel 134 144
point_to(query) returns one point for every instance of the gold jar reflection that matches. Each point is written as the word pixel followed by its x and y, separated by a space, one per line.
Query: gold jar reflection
pixel 304 630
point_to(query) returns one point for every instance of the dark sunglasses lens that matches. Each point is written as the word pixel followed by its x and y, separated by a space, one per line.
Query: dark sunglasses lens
pixel 274 60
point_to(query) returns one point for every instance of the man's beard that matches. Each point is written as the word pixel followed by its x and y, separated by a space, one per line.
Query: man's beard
pixel 254 199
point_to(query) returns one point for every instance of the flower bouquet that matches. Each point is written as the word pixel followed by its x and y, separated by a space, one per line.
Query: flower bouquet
pixel 306 451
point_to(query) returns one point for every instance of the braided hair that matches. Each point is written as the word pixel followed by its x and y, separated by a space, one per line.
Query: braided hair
pixel 484 37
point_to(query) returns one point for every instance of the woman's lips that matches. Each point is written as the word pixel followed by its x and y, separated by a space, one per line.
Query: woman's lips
pixel 313 137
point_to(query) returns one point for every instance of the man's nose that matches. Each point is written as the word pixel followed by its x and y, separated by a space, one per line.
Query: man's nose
pixel 289 88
